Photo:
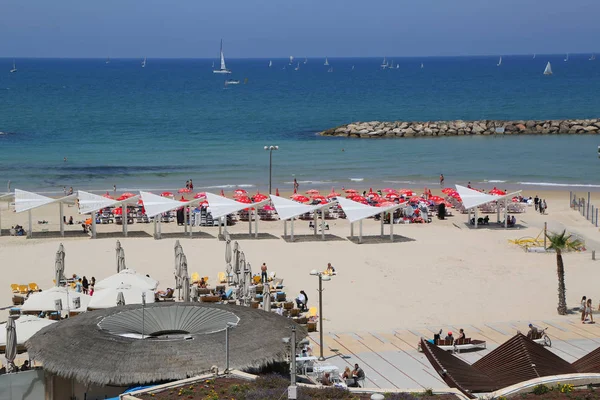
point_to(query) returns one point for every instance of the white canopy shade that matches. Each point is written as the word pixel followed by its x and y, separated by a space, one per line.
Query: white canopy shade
pixel 156 205
pixel 472 198
pixel 221 206
pixel 127 277
pixel 356 211
pixel 25 201
pixel 89 202
pixel 27 326
pixel 44 301
pixel 106 298
pixel 287 209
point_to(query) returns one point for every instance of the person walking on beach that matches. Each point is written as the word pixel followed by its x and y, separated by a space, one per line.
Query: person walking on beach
pixel 588 312
pixel 187 184
pixel 191 185
pixel 536 202
pixel 296 185
pixel 442 180
pixel 582 307
pixel 545 206
pixel 115 189
pixel 263 273
pixel 85 285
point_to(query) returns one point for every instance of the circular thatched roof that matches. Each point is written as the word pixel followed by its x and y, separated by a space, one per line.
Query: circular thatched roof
pixel 105 347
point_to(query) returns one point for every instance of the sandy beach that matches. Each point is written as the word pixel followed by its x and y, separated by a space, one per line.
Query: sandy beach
pixel 439 273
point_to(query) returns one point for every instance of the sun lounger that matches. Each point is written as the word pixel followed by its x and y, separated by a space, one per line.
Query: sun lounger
pixel 312 312
pixel 14 287
pixel 34 287
pixel 23 289
pixel 277 284
pixel 228 294
pixel 222 277
pixel 195 277
pixel 458 345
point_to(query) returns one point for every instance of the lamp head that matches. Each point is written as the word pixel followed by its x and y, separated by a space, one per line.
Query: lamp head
pixel 266 147
pixel 326 278
pixel 314 272
pixel 276 147
pixel 232 324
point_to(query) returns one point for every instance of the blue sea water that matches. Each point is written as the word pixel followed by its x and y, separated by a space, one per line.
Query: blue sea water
pixel 158 126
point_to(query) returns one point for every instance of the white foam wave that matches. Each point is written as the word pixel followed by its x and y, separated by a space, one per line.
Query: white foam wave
pixel 311 182
pixel 495 181
pixel 559 184
pixel 243 185
pixel 357 179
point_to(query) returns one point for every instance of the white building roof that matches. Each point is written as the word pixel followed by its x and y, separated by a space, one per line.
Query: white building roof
pixel 287 209
pixel 221 206
pixel 356 211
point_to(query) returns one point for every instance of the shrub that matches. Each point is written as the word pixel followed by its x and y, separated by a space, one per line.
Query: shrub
pixel 541 389
pixel 399 396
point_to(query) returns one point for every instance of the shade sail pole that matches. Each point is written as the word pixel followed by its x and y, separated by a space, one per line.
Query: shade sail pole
pixel 29 232
pixel 360 232
pixel 159 228
pixel 476 216
pixel 185 227
pixel 155 228
pixel 505 214
pixel 323 223
pixel 292 237
pixel 284 228
pixel 315 215
pixel 351 229
pixel 190 220
pixel 224 224
pixel 256 223
pixel 392 227
pixel 220 227
pixel 498 211
pixel 124 217
pixel 250 222
pixel 93 214
pixel 62 221
pixel 382 217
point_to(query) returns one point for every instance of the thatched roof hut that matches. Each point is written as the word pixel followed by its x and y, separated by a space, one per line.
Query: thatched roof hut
pixel 105 347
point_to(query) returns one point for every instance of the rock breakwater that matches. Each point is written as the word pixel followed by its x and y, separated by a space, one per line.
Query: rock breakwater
pixel 377 129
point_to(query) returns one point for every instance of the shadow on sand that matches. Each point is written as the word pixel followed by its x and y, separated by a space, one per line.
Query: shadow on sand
pixel 313 238
pixel 380 240
pixel 247 236
pixel 183 235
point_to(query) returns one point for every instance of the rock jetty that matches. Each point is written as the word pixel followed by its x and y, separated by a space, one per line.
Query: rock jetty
pixel 377 129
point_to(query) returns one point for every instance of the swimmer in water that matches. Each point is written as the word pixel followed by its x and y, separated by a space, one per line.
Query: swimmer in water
pixel 65 159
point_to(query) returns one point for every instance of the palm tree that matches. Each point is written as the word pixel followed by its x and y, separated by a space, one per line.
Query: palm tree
pixel 560 242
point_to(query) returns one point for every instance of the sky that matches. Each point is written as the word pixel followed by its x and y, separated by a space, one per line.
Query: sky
pixel 303 28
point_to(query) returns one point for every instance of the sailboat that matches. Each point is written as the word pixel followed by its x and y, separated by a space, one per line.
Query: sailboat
pixel 534 56
pixel 213 64
pixel 305 60
pixel 353 68
pixel 326 61
pixel 107 60
pixel 231 82
pixel 270 63
pixel 422 66
pixel 567 59
pixel 392 65
pixel 144 63
pixel 14 68
pixel 384 63
pixel 223 69
pixel 291 59
pixel 330 69
pixel 548 70
pixel 499 62
pixel 397 66
pixel 297 67
pixel 593 57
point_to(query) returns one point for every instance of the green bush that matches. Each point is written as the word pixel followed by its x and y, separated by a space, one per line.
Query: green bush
pixel 541 389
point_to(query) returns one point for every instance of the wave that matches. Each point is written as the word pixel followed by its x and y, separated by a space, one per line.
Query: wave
pixel 243 185
pixel 357 179
pixel 559 184
pixel 311 182
pixel 493 181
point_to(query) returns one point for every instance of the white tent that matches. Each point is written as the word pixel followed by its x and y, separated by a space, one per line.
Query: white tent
pixel 1 197
pixel 289 209
pixel 127 277
pixel 472 199
pixel 26 326
pixel 157 205
pixel 27 201
pixel 90 203
pixel 221 207
pixel 357 212
pixel 45 300
pixel 107 298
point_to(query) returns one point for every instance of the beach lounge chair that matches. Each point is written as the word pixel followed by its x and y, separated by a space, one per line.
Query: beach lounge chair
pixel 312 312
pixel 228 294
pixel 34 287
pixel 14 287
pixel 195 277
pixel 458 345
pixel 23 289
pixel 222 277
pixel 256 280
pixel 206 280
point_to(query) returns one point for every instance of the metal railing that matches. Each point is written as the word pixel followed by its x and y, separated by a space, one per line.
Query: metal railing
pixel 584 207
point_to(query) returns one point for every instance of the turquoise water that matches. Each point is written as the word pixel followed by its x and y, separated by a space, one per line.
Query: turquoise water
pixel 174 120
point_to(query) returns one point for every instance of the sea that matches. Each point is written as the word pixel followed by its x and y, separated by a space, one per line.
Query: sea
pixel 89 124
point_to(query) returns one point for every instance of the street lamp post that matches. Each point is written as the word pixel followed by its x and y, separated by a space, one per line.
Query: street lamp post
pixel 322 278
pixel 229 325
pixel 270 150
pixel 143 312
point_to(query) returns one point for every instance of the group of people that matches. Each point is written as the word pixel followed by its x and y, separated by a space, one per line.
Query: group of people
pixel 82 285
pixel 586 310
pixel 540 204
pixel 24 367
pixel 189 184
pixel 351 377
pixel 449 337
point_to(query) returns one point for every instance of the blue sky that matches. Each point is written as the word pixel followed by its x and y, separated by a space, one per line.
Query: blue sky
pixel 279 28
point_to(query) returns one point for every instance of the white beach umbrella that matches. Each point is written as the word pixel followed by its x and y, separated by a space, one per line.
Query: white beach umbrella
pixel 45 301
pixel 228 256
pixel 109 297
pixel 121 260
pixel 127 277
pixel 11 343
pixel 118 252
pixel 177 270
pixel 59 265
pixel 267 297
pixel 26 326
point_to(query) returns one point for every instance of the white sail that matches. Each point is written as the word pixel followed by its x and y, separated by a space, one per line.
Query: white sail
pixel 291 59
pixel 330 69
pixel 353 68
pixel 397 66
pixel 534 56
pixel 223 69
pixel 144 63
pixel 297 67
pixel 422 66
pixel 14 68
pixel 548 70
pixel 326 61
pixel 384 63
pixel 499 62
pixel 567 58
pixel 305 60
pixel 593 57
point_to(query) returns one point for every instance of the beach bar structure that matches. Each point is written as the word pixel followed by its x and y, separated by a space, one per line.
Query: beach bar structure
pixel 221 207
pixel 290 209
pixel 90 203
pixel 357 212
pixel 27 201
pixel 155 206
pixel 472 199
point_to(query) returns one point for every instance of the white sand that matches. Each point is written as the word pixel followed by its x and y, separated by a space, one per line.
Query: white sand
pixel 444 275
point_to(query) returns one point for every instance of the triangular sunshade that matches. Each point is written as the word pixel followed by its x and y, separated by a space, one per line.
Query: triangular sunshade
pixel 287 209
pixel 89 202
pixel 356 211
pixel 472 198
pixel 155 205
pixel 26 200
pixel 221 206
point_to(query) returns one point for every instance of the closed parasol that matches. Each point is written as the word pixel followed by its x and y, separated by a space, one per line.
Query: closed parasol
pixel 120 299
pixel 11 342
pixel 59 265
pixel 267 297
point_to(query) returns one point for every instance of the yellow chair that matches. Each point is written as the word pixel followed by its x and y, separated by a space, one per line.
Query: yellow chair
pixel 256 280
pixel 34 286
pixel 195 277
pixel 23 289
pixel 14 287
pixel 206 279
pixel 222 277
pixel 312 312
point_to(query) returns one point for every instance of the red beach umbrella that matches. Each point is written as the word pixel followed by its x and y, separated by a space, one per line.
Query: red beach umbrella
pixel 351 191
pixel 239 191
pixel 406 192
pixel 300 198
pixel 184 190
pixel 127 195
pixel 317 197
pixel 386 204
pixel 359 199
pixel 166 194
pixel 117 211
pixel 245 200
pixel 436 199
pixel 332 195
pixel 121 198
pixel 447 190
pixel 200 195
pixel 203 204
pixel 260 197
pixel 416 199
pixel 389 190
pixel 140 202
pixel 312 191
pixel 324 201
pixel 182 199
pixel 277 192
pixel 333 192
pixel 392 196
pixel 269 207
pixel 108 196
